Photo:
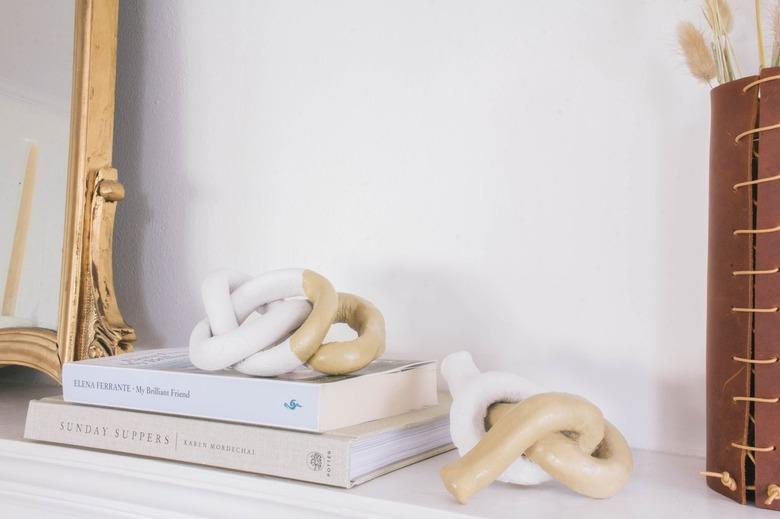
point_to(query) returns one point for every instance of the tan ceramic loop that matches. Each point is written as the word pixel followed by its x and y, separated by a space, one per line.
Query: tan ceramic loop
pixel 551 429
pixel 336 358
pixel 306 339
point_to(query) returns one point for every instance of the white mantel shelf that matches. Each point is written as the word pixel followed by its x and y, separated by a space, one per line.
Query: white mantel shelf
pixel 40 480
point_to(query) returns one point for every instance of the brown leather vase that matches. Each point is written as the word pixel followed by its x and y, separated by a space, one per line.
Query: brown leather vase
pixel 743 322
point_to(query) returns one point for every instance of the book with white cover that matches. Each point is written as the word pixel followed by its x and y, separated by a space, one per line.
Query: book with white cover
pixel 164 381
pixel 342 458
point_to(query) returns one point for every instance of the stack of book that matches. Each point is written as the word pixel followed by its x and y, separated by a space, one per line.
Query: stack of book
pixel 335 430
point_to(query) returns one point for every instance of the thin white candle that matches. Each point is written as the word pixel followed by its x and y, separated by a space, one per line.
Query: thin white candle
pixel 20 235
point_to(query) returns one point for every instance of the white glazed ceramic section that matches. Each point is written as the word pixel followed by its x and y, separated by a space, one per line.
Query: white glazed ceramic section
pixel 230 337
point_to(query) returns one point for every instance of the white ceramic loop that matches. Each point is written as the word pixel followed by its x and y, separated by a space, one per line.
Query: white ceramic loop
pixel 473 393
pixel 257 345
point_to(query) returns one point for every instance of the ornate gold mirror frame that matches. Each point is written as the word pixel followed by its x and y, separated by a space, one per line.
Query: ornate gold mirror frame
pixel 90 324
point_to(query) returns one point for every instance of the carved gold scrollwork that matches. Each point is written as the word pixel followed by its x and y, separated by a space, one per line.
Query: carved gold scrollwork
pixel 102 329
pixel 89 322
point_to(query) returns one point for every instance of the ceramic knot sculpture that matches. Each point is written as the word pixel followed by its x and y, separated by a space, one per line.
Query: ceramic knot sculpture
pixel 533 435
pixel 271 324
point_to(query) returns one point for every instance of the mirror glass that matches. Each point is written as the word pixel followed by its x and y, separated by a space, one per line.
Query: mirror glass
pixel 36 58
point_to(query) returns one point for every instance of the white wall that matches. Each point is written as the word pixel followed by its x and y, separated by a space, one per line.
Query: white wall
pixel 523 180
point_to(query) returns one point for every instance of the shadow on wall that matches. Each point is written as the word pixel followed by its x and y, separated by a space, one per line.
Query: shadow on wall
pixel 152 232
pixel 680 405
pixel 461 324
pixel 667 409
pixel 611 386
pixel 680 262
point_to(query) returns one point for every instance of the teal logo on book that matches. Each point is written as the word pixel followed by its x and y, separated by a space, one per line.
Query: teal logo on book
pixel 292 405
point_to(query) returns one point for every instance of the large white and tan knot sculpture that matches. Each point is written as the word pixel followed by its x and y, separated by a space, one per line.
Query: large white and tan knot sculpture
pixel 276 322
pixel 533 436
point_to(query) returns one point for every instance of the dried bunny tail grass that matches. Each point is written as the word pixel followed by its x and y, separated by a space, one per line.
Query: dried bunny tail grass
pixel 724 12
pixel 776 36
pixel 697 53
pixel 718 16
pixel 760 37
pixel 718 10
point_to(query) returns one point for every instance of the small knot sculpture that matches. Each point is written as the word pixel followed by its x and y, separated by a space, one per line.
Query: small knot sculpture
pixel 533 435
pixel 276 322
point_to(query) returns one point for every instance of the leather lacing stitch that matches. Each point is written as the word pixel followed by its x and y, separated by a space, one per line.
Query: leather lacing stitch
pixel 756 130
pixel 755 310
pixel 753 182
pixel 773 491
pixel 756 399
pixel 755 361
pixel 725 478
pixel 756 231
pixel 752 448
pixel 755 272
pixel 758 82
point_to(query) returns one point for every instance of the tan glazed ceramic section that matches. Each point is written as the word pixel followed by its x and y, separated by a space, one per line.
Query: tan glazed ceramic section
pixel 336 358
pixel 535 427
pixel 306 339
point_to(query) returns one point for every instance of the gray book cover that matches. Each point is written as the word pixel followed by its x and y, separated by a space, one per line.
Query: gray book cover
pixel 338 458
